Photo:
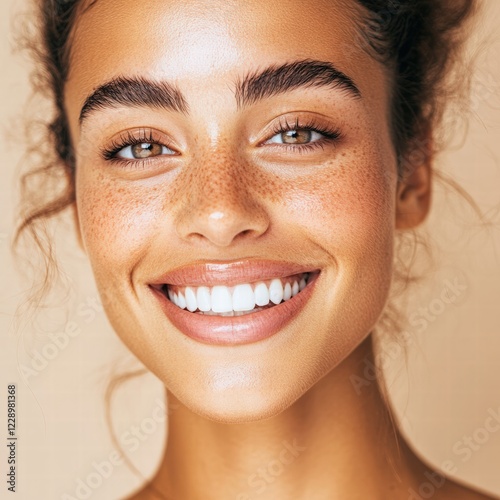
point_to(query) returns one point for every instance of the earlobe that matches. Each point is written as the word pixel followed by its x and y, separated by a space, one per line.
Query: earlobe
pixel 413 198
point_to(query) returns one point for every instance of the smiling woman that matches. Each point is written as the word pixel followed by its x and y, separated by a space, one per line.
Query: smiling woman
pixel 239 174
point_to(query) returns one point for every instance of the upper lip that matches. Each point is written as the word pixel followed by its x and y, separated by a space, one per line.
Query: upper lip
pixel 230 273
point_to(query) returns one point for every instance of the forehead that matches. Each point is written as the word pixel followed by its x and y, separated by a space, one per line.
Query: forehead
pixel 211 39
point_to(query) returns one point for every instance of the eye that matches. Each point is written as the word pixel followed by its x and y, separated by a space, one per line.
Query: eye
pixel 296 136
pixel 291 135
pixel 143 150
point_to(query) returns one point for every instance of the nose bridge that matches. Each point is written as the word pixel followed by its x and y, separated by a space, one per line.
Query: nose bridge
pixel 217 199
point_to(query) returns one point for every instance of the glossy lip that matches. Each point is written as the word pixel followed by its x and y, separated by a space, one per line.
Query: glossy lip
pixel 228 273
pixel 236 330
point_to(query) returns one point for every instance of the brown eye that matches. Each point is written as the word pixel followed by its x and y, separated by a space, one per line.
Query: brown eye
pixel 143 150
pixel 296 136
pixel 300 136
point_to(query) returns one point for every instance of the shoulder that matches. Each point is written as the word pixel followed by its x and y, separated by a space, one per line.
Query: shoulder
pixel 438 487
pixel 137 495
pixel 456 491
pixel 427 482
pixel 146 493
pixel 450 490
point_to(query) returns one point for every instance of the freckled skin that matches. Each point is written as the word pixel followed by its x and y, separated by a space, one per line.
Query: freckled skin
pixel 332 208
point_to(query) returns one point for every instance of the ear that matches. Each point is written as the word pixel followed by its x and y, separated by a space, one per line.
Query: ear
pixel 413 198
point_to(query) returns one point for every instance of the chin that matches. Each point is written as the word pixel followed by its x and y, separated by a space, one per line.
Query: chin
pixel 235 399
pixel 238 410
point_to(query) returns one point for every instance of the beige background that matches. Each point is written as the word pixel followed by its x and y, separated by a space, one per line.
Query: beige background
pixel 444 392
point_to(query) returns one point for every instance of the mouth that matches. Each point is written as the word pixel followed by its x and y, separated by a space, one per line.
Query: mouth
pixel 237 300
pixel 239 313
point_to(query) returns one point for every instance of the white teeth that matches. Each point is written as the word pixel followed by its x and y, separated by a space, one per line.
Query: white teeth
pixel 233 313
pixel 225 301
pixel 191 303
pixel 221 299
pixel 203 298
pixel 287 292
pixel 243 298
pixel 181 301
pixel 261 294
pixel 276 291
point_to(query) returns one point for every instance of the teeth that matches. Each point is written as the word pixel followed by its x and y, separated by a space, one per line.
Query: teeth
pixel 261 294
pixel 232 313
pixel 203 298
pixel 221 299
pixel 243 298
pixel 181 301
pixel 287 292
pixel 276 291
pixel 191 303
pixel 240 299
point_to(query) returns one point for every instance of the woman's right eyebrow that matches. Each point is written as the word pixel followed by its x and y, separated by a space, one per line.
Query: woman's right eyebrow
pixel 134 91
pixel 253 87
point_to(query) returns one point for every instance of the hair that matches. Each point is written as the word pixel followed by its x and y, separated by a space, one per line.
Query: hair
pixel 420 42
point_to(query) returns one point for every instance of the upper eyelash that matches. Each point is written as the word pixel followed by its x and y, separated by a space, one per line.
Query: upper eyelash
pixel 330 132
pixel 128 139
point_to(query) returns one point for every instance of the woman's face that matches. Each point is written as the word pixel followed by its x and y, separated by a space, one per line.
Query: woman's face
pixel 298 167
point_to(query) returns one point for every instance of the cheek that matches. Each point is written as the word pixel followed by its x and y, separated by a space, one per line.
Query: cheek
pixel 349 208
pixel 349 211
pixel 116 219
pixel 350 214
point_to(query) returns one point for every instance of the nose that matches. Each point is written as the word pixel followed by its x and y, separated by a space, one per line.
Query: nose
pixel 218 202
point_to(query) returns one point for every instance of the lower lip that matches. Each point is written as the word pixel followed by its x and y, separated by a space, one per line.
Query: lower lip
pixel 235 330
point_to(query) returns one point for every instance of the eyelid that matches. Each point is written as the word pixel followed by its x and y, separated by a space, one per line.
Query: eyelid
pixel 128 138
pixel 297 122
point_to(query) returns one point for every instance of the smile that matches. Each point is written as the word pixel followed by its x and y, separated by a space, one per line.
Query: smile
pixel 244 298
pixel 238 312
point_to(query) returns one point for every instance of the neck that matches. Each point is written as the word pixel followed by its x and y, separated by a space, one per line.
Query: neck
pixel 336 434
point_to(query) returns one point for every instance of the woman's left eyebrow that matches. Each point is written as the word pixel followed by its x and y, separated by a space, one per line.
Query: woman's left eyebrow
pixel 253 87
pixel 278 79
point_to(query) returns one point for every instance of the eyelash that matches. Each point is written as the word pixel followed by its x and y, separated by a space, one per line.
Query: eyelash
pixel 331 135
pixel 129 139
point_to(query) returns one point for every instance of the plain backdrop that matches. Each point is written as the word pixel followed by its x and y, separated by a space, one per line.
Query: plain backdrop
pixel 444 384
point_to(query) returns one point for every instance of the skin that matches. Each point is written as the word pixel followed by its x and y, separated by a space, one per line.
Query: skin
pixel 229 194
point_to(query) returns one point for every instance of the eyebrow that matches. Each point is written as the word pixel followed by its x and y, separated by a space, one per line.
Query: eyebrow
pixel 253 87
pixel 135 92
pixel 305 73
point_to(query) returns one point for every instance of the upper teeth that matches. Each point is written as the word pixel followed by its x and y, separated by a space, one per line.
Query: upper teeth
pixel 242 297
